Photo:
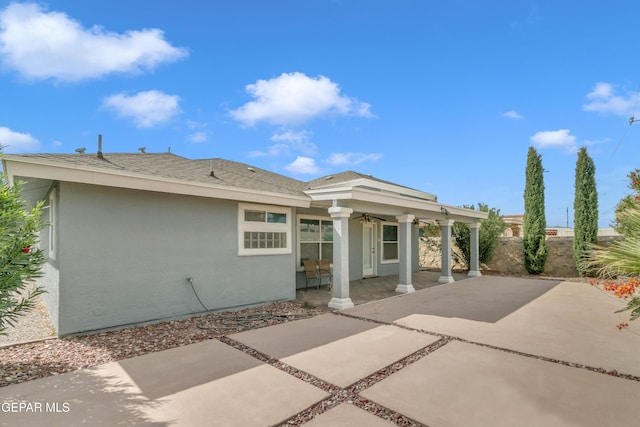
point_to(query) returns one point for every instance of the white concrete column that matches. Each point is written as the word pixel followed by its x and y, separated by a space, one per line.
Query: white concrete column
pixel 340 218
pixel 404 254
pixel 474 267
pixel 445 227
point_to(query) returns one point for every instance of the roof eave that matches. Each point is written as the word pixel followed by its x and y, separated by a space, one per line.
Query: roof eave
pixel 354 196
pixel 40 168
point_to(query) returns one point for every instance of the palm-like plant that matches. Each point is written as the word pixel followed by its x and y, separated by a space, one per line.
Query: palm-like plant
pixel 621 258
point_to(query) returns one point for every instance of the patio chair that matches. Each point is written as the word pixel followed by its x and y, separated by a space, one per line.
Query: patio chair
pixel 311 272
pixel 324 270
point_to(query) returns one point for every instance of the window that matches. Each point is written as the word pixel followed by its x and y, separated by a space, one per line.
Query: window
pixel 265 216
pixel 52 226
pixel 389 243
pixel 263 230
pixel 315 237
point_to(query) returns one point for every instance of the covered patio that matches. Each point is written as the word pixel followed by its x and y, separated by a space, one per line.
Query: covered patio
pixel 384 239
pixel 363 291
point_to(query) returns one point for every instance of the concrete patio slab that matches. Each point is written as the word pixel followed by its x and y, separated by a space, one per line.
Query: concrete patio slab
pixel 463 384
pixel 345 361
pixel 164 373
pixel 211 383
pixel 259 396
pixel 485 299
pixel 370 289
pixel 184 385
pixel 99 396
pixel 574 322
pixel 346 415
pixel 291 338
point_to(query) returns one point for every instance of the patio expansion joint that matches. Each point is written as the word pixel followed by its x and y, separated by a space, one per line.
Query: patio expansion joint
pixel 339 395
pixel 397 325
pixel 604 371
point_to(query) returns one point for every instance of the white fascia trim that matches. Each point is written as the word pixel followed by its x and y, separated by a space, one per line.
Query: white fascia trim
pixel 410 203
pixel 391 188
pixel 467 213
pixel 5 170
pixel 330 193
pixel 22 167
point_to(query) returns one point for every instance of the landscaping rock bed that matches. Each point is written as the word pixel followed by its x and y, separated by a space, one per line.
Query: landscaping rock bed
pixel 26 362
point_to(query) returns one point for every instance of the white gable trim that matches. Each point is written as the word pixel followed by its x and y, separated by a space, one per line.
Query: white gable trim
pixel 374 185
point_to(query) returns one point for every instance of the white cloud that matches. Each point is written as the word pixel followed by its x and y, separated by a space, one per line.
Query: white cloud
pixel 145 108
pixel 291 136
pixel 295 98
pixel 16 142
pixel 297 141
pixel 512 115
pixel 51 45
pixel 603 99
pixel 274 150
pixel 191 124
pixel 340 159
pixel 197 137
pixel 560 138
pixel 288 142
pixel 303 165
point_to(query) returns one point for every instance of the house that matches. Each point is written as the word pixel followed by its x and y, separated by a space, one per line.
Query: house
pixel 128 234
pixel 514 225
pixel 569 232
pixel 515 228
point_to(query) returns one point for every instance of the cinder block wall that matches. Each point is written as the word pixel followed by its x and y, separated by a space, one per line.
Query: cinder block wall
pixel 508 258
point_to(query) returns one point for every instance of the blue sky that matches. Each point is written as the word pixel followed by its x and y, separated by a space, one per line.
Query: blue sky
pixel 445 97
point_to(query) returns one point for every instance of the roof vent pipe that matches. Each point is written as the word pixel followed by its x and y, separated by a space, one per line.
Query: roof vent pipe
pixel 211 168
pixel 100 156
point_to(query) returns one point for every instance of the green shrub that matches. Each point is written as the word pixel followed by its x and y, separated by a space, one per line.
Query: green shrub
pixel 490 229
pixel 20 260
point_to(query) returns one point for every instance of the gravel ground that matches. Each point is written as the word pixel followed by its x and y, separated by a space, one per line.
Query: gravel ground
pixel 34 325
pixel 29 361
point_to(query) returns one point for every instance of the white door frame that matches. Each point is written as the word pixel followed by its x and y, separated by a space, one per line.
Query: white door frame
pixel 369 253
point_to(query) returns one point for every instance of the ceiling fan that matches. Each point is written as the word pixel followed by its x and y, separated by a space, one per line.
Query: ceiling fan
pixel 365 217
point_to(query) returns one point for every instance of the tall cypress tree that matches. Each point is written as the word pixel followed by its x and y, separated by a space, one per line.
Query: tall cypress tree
pixel 535 222
pixel 585 208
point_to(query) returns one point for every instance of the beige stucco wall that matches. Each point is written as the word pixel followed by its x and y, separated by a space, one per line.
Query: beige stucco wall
pixel 508 258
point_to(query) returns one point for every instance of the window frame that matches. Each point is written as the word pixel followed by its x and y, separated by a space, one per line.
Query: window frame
pixel 299 238
pixel 51 250
pixel 48 234
pixel 263 227
pixel 382 243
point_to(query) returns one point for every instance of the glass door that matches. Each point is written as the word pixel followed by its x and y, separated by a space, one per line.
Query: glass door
pixel 368 249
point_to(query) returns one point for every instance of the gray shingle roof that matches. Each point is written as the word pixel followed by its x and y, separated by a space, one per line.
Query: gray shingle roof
pixel 167 165
pixel 226 172
pixel 344 177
